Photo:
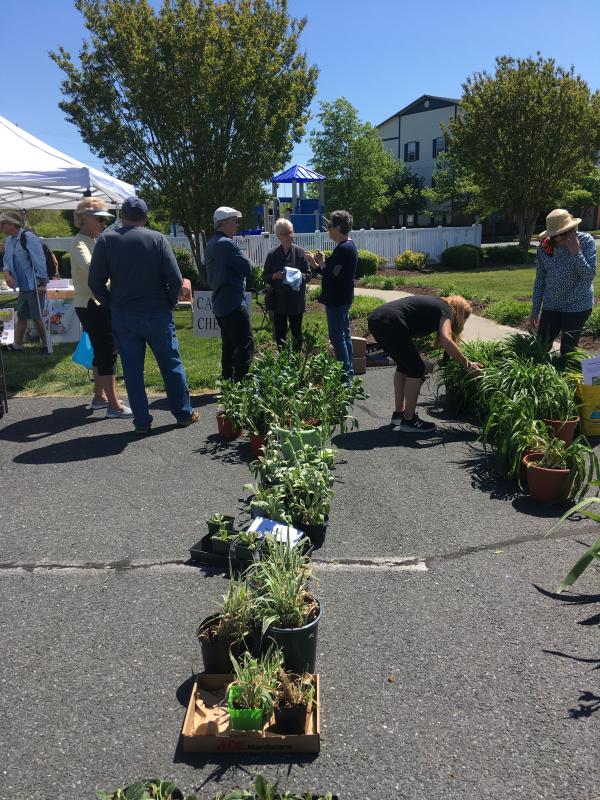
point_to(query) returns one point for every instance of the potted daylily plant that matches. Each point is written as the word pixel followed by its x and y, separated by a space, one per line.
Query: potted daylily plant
pixel 230 411
pixel 229 631
pixel 251 694
pixel 293 702
pixel 561 471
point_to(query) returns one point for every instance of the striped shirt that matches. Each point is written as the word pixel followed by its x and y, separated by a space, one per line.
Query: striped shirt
pixel 563 281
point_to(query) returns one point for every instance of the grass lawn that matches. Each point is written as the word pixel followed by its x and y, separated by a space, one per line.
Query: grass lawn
pixel 487 283
pixel 29 372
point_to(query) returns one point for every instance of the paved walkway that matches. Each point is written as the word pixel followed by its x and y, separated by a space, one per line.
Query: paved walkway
pixel 475 328
pixel 447 674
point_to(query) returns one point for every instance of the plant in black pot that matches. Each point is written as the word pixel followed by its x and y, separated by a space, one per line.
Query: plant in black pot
pixel 287 613
pixel 268 502
pixel 223 540
pixel 293 702
pixel 307 490
pixel 218 521
pixel 229 631
pixel 247 545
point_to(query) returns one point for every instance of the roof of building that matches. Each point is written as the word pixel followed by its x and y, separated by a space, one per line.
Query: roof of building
pixel 410 108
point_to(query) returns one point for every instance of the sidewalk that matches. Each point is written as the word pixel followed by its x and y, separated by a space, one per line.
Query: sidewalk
pixel 475 327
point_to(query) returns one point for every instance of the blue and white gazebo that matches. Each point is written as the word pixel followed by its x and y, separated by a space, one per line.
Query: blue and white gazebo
pixel 307 212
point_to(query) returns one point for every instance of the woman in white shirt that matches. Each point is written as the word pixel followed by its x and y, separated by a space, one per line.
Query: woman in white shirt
pixel 90 217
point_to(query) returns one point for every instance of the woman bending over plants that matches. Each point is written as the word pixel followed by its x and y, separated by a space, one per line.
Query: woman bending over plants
pixel 395 325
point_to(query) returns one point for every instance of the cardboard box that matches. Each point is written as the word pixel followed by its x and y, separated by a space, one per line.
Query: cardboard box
pixel 207 729
pixel 359 346
pixel 359 365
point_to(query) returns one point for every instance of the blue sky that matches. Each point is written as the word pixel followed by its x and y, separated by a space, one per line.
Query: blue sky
pixel 380 54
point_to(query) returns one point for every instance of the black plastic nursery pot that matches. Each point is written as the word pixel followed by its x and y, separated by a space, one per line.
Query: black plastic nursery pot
pixel 214 527
pixel 215 653
pixel 247 554
pixel 298 645
pixel 316 533
pixel 290 719
pixel 221 547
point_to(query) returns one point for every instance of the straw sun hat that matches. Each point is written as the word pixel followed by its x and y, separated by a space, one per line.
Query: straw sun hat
pixel 559 221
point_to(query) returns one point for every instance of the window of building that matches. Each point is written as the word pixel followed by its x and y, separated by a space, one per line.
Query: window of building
pixel 439 146
pixel 411 151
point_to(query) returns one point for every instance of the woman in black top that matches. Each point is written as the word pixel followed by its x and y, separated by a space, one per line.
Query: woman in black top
pixel 393 326
pixel 286 302
pixel 337 288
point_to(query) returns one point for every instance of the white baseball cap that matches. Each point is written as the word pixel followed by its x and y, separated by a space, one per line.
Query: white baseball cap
pixel 224 212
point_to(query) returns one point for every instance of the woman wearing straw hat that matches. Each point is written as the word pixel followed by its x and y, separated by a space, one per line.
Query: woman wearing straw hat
pixel 564 282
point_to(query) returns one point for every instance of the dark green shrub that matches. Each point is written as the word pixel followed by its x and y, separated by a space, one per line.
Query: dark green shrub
pixel 368 263
pixel 478 250
pixel 464 256
pixel 506 255
pixel 186 263
pixel 508 312
pixel 64 264
pixel 411 259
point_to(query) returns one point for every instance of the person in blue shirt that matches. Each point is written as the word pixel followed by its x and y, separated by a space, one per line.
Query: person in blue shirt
pixel 564 281
pixel 338 271
pixel 133 272
pixel 25 270
pixel 227 269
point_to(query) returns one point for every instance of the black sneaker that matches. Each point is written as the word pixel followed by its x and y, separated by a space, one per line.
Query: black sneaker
pixel 416 425
pixel 396 419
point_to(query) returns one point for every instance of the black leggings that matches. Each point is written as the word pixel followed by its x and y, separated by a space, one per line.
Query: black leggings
pixel 96 322
pixel 569 323
pixel 280 323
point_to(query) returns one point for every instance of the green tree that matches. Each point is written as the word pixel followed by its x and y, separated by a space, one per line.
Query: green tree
pixel 585 195
pixel 197 104
pixel 451 185
pixel 352 157
pixel 405 192
pixel 528 133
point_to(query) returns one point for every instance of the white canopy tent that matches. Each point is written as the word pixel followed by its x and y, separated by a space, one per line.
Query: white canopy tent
pixel 35 175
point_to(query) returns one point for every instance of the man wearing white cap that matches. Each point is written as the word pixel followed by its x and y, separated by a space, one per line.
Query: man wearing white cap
pixel 25 270
pixel 564 281
pixel 227 269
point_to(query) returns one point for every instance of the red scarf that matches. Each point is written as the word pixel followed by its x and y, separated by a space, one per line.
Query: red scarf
pixel 546 246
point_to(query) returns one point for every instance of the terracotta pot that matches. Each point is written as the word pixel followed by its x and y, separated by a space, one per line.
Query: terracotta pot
pixel 547 485
pixel 564 429
pixel 257 442
pixel 523 467
pixel 226 429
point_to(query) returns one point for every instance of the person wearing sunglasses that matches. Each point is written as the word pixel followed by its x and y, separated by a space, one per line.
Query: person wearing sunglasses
pixel 337 272
pixel 564 283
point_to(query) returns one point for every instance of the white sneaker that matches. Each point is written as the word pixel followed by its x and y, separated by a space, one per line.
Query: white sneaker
pixel 98 405
pixel 122 413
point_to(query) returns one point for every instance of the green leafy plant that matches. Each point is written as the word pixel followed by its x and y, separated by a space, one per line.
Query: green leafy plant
pixel 186 264
pixel 232 401
pixel 578 456
pixel 591 553
pixel 411 259
pixel 263 790
pixel 383 281
pixel 255 681
pixel 507 255
pixel 235 615
pixel 508 312
pixel 147 790
pixel 224 533
pixel 249 539
pixel 269 501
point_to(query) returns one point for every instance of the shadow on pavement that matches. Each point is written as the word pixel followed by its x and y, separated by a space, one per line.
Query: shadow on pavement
pixel 58 421
pixel 236 451
pixel 85 448
pixel 387 436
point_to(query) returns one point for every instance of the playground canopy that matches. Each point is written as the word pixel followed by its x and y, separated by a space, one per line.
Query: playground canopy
pixel 297 174
pixel 35 175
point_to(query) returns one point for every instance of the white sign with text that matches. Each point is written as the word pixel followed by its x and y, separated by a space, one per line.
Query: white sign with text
pixel 205 322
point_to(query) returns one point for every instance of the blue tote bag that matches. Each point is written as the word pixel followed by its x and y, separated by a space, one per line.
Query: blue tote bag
pixel 84 353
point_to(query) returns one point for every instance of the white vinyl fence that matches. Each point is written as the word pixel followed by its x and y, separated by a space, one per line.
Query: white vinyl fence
pixel 386 243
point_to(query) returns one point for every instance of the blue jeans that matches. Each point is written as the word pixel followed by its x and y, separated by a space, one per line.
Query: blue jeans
pixel 133 330
pixel 338 325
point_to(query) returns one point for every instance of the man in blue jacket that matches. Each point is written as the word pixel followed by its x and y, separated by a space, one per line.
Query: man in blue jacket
pixel 134 273
pixel 25 270
pixel 227 270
